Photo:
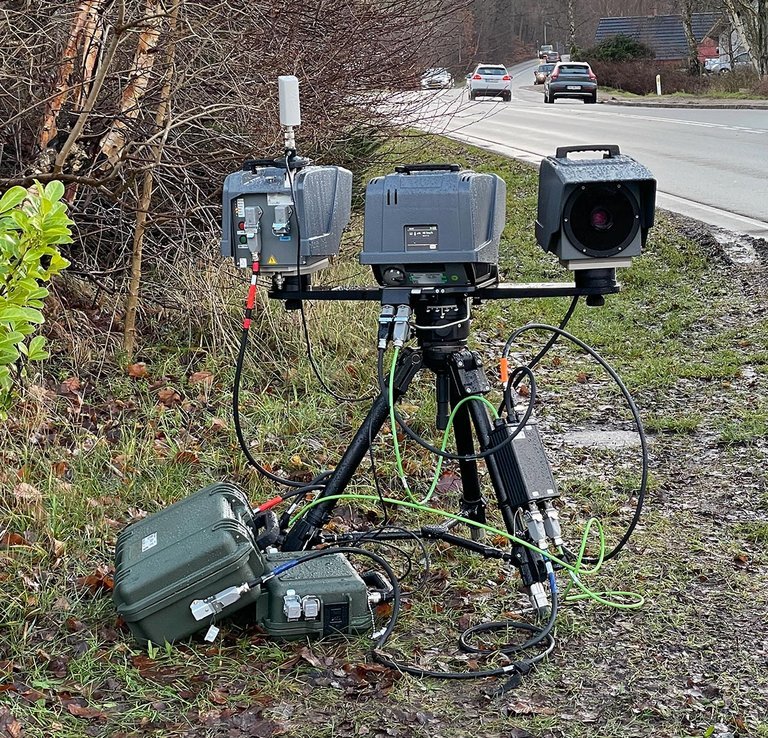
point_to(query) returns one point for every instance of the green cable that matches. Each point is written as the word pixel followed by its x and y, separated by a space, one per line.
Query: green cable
pixel 396 443
pixel 575 570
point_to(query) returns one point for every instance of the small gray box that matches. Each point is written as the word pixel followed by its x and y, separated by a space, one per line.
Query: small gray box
pixel 430 214
pixel 259 216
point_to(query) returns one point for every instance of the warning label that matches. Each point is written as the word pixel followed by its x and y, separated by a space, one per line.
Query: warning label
pixel 272 260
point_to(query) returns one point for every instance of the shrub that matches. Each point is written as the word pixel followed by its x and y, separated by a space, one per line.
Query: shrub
pixel 31 224
pixel 639 77
pixel 618 49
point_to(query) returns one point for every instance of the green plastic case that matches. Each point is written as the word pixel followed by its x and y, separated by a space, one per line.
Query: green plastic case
pixel 333 580
pixel 190 550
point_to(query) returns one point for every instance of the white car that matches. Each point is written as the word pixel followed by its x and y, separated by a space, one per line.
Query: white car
pixel 490 80
pixel 436 78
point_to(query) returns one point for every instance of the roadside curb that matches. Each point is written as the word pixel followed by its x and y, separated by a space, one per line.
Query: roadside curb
pixel 691 104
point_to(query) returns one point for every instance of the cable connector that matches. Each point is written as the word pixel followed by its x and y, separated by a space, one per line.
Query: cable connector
pixel 214 604
pixel 402 330
pixel 536 526
pixel 386 316
pixel 552 523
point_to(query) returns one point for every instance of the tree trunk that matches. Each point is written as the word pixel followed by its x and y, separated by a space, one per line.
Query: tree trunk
pixel 162 119
pixel 694 67
pixel 141 70
pixel 87 34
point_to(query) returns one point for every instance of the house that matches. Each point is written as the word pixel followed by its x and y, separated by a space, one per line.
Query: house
pixel 664 34
pixel 729 42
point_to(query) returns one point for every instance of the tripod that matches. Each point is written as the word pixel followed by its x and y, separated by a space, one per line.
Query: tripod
pixel 442 323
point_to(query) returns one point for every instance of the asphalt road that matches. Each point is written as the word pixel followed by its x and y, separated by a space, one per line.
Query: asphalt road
pixel 711 165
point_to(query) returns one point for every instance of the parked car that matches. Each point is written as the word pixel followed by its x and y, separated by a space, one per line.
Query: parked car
pixel 490 80
pixel 544 49
pixel 716 65
pixel 436 78
pixel 571 79
pixel 541 73
pixel 552 57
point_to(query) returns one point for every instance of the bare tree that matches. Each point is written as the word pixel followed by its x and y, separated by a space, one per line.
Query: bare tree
pixel 749 19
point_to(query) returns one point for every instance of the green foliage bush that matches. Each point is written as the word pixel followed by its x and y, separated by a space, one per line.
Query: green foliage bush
pixel 31 224
pixel 619 49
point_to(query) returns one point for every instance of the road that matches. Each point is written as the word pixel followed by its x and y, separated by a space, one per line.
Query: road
pixel 711 165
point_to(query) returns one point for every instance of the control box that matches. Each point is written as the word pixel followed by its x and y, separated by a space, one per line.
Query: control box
pixel 286 230
pixel 434 225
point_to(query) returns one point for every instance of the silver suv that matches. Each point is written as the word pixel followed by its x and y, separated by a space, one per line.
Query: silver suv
pixel 490 80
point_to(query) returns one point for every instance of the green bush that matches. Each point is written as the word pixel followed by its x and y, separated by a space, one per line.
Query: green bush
pixel 619 49
pixel 31 224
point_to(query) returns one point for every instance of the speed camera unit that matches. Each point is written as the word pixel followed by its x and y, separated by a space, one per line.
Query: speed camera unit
pixel 594 213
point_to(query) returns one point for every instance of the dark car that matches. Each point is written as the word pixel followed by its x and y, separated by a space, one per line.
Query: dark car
pixel 544 49
pixel 541 73
pixel 552 57
pixel 571 79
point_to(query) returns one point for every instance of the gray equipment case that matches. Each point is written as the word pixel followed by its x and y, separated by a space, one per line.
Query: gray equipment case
pixel 429 213
pixel 258 208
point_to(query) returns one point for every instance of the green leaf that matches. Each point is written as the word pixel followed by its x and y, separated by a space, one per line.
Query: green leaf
pixel 10 340
pixel 54 190
pixel 12 198
pixel 35 351
pixel 16 314
pixel 8 356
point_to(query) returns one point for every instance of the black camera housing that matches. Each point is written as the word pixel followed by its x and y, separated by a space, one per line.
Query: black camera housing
pixel 594 213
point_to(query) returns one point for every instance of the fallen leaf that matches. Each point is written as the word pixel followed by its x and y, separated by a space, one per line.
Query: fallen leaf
pixel 9 724
pixel 523 391
pixel 98 582
pixel 310 658
pixel 70 386
pixel 60 468
pixel 187 457
pixel 84 711
pixel 137 370
pixel 449 482
pixel 201 377
pixel 582 378
pixel 218 425
pixel 13 539
pixel 169 397
pixel 217 697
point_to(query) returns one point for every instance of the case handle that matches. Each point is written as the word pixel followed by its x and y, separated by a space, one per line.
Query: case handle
pixel 408 168
pixel 613 150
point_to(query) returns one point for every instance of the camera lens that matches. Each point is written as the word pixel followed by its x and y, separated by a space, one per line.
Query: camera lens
pixel 601 219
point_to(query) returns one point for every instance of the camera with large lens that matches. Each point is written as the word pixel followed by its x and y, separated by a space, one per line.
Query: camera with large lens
pixel 594 214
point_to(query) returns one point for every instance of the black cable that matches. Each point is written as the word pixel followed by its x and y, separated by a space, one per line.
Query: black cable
pixel 302 313
pixel 519 667
pixel 635 414
pixel 446 454
pixel 550 343
pixel 303 487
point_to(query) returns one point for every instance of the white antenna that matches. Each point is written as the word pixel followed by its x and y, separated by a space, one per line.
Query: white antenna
pixel 290 109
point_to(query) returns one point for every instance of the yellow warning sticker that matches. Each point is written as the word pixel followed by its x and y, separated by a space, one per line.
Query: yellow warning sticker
pixel 272 260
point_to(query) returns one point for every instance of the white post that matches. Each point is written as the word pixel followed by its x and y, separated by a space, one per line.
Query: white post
pixel 658 84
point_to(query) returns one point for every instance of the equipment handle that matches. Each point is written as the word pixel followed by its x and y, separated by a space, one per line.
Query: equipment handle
pixel 562 151
pixel 408 168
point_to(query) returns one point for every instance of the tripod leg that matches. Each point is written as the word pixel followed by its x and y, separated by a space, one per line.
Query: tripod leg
pixel 305 529
pixel 472 501
pixel 483 428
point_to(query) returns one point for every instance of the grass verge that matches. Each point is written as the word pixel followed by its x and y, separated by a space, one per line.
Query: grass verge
pixel 97 443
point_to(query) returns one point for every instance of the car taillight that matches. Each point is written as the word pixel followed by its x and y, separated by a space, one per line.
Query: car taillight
pixel 554 74
pixel 506 78
pixel 592 76
pixel 477 76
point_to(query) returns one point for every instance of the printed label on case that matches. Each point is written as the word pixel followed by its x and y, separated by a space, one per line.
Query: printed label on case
pixel 148 542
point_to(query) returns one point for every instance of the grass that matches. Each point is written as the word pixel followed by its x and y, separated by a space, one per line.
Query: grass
pixel 78 464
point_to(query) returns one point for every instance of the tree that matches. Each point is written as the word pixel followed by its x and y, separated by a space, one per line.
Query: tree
pixel 749 19
pixel 686 13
